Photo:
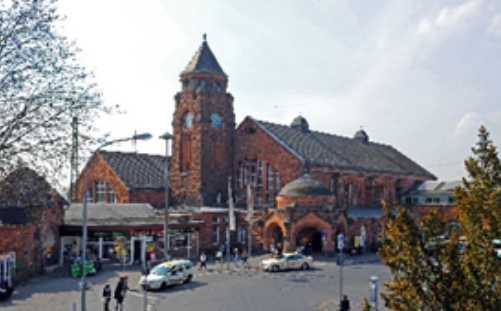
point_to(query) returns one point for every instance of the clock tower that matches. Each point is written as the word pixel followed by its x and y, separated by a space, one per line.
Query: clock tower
pixel 203 127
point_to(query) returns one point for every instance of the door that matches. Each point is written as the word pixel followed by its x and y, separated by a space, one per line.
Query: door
pixel 291 262
pixel 177 275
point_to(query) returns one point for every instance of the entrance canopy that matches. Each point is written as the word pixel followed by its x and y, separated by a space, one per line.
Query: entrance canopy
pixel 120 216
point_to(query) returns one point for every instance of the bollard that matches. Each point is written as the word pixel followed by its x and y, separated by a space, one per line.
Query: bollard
pixel 373 294
pixel 74 307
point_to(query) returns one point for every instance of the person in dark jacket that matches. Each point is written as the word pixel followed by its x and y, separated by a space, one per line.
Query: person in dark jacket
pixel 120 291
pixel 106 297
pixel 345 304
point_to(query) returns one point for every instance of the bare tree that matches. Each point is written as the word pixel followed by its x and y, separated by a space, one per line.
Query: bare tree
pixel 42 87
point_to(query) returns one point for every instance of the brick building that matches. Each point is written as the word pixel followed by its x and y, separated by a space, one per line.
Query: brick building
pixel 31 213
pixel 346 181
pixel 123 177
pixel 307 185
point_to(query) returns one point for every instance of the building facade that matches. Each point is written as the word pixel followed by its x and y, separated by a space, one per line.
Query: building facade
pixel 31 214
pixel 307 186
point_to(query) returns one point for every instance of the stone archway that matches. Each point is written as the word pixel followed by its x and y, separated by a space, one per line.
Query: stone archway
pixel 274 231
pixel 314 228
pixel 311 239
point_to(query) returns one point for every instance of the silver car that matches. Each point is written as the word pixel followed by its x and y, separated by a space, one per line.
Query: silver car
pixel 287 261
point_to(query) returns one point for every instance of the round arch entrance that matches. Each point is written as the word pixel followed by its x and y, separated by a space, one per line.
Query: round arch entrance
pixel 311 239
pixel 275 234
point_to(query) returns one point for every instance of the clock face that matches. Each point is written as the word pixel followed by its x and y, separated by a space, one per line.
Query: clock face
pixel 188 120
pixel 216 120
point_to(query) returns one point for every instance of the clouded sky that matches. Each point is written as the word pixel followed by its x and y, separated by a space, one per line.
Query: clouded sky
pixel 419 75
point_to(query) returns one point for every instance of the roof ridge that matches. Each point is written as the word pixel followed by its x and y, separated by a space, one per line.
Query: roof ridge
pixel 366 156
pixel 132 153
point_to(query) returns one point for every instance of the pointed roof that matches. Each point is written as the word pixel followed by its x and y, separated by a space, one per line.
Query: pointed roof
pixel 204 61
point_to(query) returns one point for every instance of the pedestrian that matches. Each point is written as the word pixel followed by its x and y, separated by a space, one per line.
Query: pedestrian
pixel 236 255
pixel 219 256
pixel 120 292
pixel 106 297
pixel 345 304
pixel 203 261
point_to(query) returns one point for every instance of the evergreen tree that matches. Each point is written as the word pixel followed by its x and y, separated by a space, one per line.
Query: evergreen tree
pixel 436 267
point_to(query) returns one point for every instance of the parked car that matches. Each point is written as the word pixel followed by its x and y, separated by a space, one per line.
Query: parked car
pixel 7 268
pixel 173 272
pixel 287 261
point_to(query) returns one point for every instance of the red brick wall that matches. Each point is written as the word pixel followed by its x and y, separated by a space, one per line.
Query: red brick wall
pixel 211 157
pixel 20 240
pixel 318 200
pixel 155 198
pixel 98 170
pixel 253 143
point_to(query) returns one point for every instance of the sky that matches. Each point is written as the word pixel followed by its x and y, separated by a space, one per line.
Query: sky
pixel 418 75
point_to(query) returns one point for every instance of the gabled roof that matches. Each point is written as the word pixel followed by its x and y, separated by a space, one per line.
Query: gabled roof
pixel 137 170
pixel 204 61
pixel 25 188
pixel 323 149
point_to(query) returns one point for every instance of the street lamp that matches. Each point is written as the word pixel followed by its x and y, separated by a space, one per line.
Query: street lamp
pixel 83 285
pixel 166 136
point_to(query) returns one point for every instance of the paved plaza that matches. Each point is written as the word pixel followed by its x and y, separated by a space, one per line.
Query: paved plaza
pixel 221 290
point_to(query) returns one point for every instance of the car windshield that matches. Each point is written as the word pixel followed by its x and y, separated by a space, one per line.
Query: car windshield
pixel 497 243
pixel 160 270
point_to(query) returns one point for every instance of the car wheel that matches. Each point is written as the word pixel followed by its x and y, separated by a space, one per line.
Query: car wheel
pixel 275 268
pixel 188 279
pixel 305 266
pixel 163 286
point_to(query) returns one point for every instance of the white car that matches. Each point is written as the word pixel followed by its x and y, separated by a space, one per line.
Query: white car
pixel 173 272
pixel 287 261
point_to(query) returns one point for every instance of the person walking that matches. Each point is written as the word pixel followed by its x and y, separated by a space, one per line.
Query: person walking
pixel 345 304
pixel 219 256
pixel 106 297
pixel 203 261
pixel 120 292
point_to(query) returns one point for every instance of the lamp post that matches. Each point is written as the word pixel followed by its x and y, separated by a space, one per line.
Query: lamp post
pixel 166 136
pixel 83 283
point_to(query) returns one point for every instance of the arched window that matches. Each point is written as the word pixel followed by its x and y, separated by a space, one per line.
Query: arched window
pixel 188 120
pixel 216 120
pixel 185 151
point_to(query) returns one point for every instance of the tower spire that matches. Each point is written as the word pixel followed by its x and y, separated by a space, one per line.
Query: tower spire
pixel 204 37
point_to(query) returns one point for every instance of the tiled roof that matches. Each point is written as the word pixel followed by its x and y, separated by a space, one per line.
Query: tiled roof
pixel 436 187
pixel 13 216
pixel 324 149
pixel 365 213
pixel 24 187
pixel 204 61
pixel 137 170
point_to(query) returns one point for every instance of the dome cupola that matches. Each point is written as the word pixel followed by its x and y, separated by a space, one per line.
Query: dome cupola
pixel 361 136
pixel 300 123
pixel 304 186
